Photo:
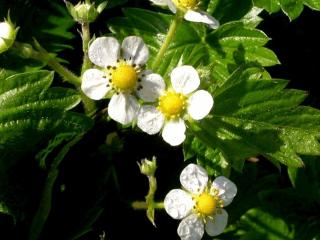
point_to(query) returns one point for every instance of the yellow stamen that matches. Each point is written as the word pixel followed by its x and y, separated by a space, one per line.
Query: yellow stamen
pixel 186 4
pixel 172 104
pixel 206 204
pixel 124 77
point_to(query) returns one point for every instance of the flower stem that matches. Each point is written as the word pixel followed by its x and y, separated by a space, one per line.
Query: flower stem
pixel 44 208
pixel 88 104
pixel 43 55
pixel 170 34
pixel 27 51
pixel 141 205
pixel 85 46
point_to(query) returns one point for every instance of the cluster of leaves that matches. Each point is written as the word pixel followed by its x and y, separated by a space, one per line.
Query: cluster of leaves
pixel 292 8
pixel 273 210
pixel 254 116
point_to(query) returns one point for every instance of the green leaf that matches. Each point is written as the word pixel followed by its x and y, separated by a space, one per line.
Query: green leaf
pixel 314 4
pixel 229 10
pixel 292 8
pixel 5 210
pixel 35 112
pixel 232 34
pixel 260 224
pixel 212 159
pixel 271 6
pixel 307 180
pixel 254 116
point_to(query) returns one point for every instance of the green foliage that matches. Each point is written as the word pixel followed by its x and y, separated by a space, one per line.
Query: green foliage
pixel 292 8
pixel 32 111
pixel 259 224
pixel 48 22
pixel 229 10
pixel 256 116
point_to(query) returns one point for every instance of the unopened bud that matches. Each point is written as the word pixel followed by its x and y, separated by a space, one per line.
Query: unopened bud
pixel 8 34
pixel 148 167
pixel 85 12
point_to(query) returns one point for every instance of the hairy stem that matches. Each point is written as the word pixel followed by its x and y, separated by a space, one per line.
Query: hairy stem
pixel 43 55
pixel 85 46
pixel 170 34
pixel 89 105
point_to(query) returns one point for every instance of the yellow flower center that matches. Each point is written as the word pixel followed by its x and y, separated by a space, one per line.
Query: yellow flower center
pixel 186 4
pixel 172 104
pixel 206 204
pixel 124 77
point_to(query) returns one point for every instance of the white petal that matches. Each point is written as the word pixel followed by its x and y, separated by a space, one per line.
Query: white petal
pixel 135 49
pixel 123 108
pixel 104 51
pixel 159 2
pixel 227 189
pixel 178 203
pixel 194 178
pixel 5 30
pixel 217 225
pixel 173 132
pixel 200 104
pixel 94 85
pixel 191 228
pixel 152 86
pixel 172 6
pixel 150 120
pixel 200 16
pixel 185 79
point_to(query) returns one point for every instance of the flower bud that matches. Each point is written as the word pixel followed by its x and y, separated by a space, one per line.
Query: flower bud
pixel 8 34
pixel 85 12
pixel 148 167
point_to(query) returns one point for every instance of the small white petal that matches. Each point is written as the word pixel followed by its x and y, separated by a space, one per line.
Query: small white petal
pixel 94 85
pixel 174 132
pixel 159 2
pixel 172 6
pixel 203 17
pixel 194 178
pixel 150 120
pixel 217 225
pixel 123 108
pixel 135 49
pixel 185 79
pixel 152 87
pixel 104 51
pixel 227 189
pixel 200 104
pixel 178 203
pixel 191 228
pixel 5 30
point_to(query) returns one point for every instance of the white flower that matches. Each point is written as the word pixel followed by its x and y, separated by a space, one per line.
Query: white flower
pixel 174 104
pixel 191 11
pixel 121 74
pixel 200 205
